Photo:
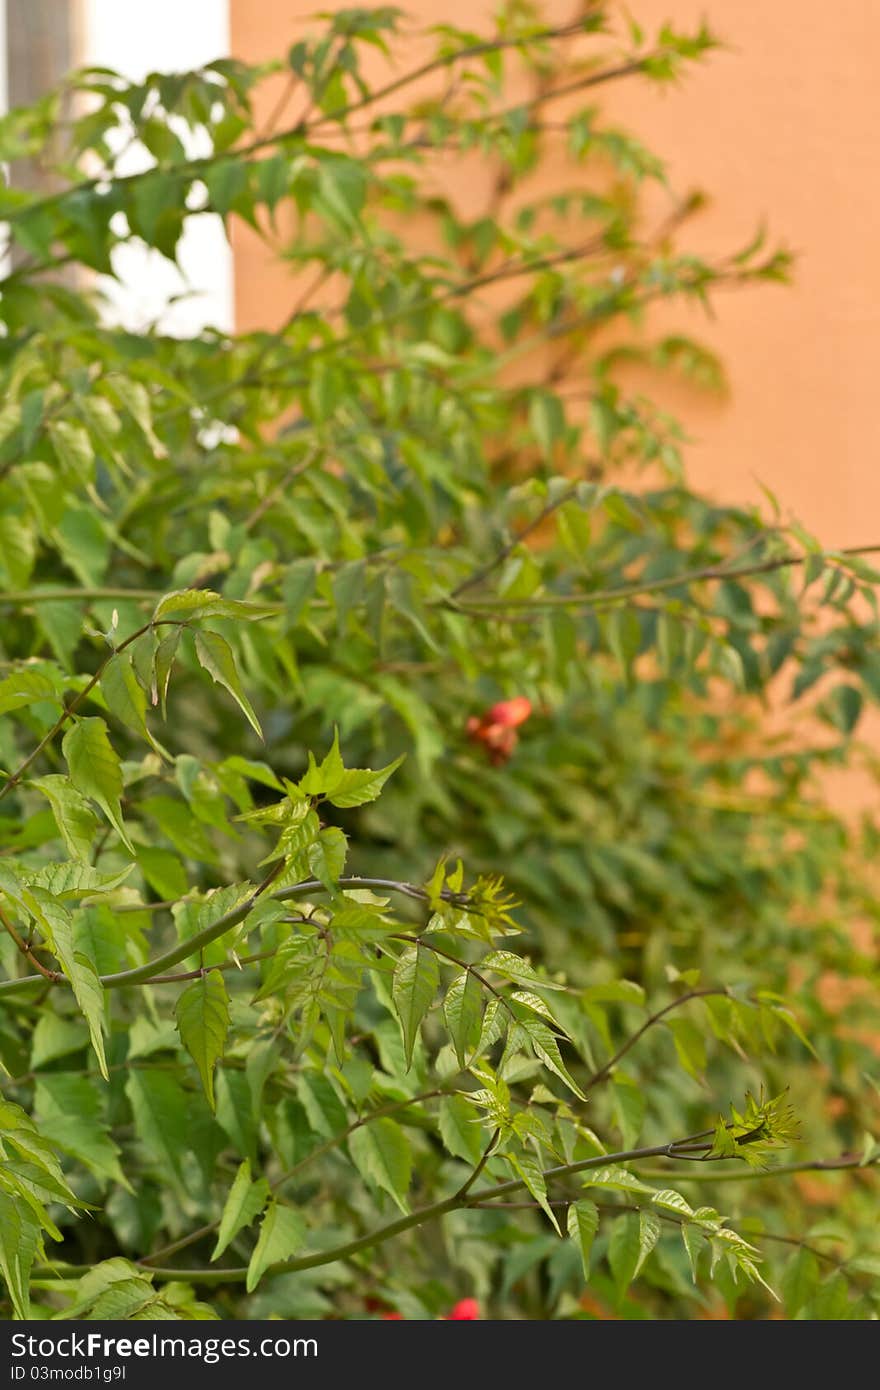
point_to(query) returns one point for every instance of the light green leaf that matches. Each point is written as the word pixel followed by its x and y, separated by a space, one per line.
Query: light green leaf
pixel 381 1153
pixel 514 968
pixel 526 1166
pixel 25 687
pixel 463 1011
pixel 583 1223
pixel 203 1023
pixel 161 1120
pixel 215 655
pixel 649 1234
pixel 416 977
pixel 20 1243
pixel 358 785
pixel 77 824
pixel 623 1251
pixel 94 769
pixel 69 1112
pixel 546 1047
pixel 282 1233
pixel 460 1129
pixel 56 925
pixel 125 696
pixel 244 1203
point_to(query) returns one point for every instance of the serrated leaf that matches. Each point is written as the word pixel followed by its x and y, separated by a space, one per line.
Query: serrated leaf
pixel 800 1281
pixel 694 1244
pixel 690 1046
pixel 326 856
pixel 25 688
pixel 203 1023
pixel 76 880
pixel 459 1128
pixel 463 1011
pixel 68 1109
pixel 125 697
pixel 649 1234
pixel 415 982
pixel 94 769
pixel 163 664
pixel 629 1109
pixel 623 1252
pixel 215 656
pixel 381 1153
pixel 514 968
pixel 527 1167
pixel 243 1205
pixel 57 927
pixel 20 1243
pixel 77 823
pixel 160 1115
pixel 359 785
pixel 546 1047
pixel 583 1223
pixel 282 1233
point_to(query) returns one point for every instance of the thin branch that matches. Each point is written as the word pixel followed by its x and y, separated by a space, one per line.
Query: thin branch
pixel 605 1071
pixel 484 1159
pixel 391 1109
pixel 52 975
pixel 146 973
pixel 420 1217
pixel 625 591
pixel 194 167
pixel 483 573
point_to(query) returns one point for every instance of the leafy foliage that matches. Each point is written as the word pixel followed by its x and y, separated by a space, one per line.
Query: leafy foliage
pixel 276 1019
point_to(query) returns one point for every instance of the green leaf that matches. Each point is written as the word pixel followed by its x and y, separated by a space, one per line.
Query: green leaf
pixel 460 1129
pixel 527 1167
pixel 161 1120
pixel 624 1249
pixel 244 1203
pixel 20 1244
pixel 94 769
pixel 69 1112
pixel 326 856
pixel 25 688
pixel 357 785
pixel 463 1011
pixel 583 1223
pixel 124 695
pixel 282 1233
pixel 381 1153
pixel 649 1234
pixel 415 982
pixel 77 824
pixel 203 1023
pixel 57 927
pixel 546 1047
pixel 629 1109
pixel 215 655
pixel 514 968
pixel 73 449
pixel 800 1281
pixel 689 1045
pixel 694 1244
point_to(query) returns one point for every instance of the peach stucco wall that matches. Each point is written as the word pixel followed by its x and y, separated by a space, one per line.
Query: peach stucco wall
pixel 780 128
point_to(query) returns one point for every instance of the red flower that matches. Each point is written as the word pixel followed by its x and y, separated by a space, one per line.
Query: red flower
pixel 510 712
pixel 392 1317
pixel 496 729
pixel 465 1310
